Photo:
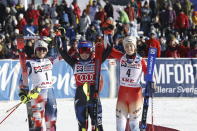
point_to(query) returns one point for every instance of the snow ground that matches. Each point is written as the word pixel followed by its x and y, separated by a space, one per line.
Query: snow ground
pixel 178 113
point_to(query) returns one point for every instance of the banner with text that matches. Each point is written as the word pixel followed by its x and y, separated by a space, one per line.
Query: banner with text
pixel 63 79
pixel 175 77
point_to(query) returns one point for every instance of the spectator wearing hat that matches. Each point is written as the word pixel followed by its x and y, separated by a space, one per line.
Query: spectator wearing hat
pixel 146 9
pixel 84 23
pixel 29 49
pixel 9 53
pixel 21 23
pixel 153 42
pixel 46 7
pixel 91 33
pixel 171 15
pixel 109 9
pixel 145 24
pixel 134 4
pixel 130 12
pixel 139 10
pixel 100 15
pixel 174 49
pixel 153 7
pixel 87 9
pixel 163 14
pixel 13 10
pixel 93 10
pixel 77 10
pixel 108 30
pixel 73 51
pixel 123 17
pixel 53 13
pixel 45 30
pixel 70 32
pixel 10 22
pixel 141 46
pixel 163 46
pixel 182 23
pixel 20 8
pixel 32 14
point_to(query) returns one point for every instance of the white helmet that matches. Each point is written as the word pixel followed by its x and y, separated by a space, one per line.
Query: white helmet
pixel 130 40
pixel 40 43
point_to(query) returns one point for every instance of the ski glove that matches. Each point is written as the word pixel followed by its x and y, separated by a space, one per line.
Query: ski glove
pixel 23 95
pixel 34 93
pixel 151 88
pixel 26 96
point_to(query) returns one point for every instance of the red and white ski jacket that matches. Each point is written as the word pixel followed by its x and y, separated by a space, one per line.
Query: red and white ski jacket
pixel 130 70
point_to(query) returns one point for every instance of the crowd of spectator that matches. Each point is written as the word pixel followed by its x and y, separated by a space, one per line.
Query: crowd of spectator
pixel 168 25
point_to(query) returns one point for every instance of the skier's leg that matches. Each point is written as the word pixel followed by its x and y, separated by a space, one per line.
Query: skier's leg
pixel 51 111
pixel 99 117
pixel 80 108
pixel 38 112
pixel 135 108
pixel 122 109
pixel 121 116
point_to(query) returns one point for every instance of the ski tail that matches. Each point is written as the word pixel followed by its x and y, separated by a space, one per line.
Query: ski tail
pixel 149 79
pixel 99 49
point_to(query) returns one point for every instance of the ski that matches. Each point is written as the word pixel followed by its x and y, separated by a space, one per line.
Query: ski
pixel 99 48
pixel 86 90
pixel 22 59
pixel 152 53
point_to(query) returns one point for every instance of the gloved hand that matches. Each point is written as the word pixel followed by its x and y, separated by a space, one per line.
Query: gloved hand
pixel 151 88
pixel 23 95
pixel 26 96
pixel 34 93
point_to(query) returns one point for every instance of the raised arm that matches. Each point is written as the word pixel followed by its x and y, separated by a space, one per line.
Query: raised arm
pixel 107 52
pixel 116 54
pixel 63 51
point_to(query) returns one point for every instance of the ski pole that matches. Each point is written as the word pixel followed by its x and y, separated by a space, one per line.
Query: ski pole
pixel 13 107
pixel 153 129
pixel 10 112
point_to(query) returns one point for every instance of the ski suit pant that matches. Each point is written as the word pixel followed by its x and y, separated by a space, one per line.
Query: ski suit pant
pixel 84 108
pixel 129 105
pixel 44 108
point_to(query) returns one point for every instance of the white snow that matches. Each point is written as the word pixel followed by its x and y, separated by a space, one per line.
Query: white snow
pixel 178 113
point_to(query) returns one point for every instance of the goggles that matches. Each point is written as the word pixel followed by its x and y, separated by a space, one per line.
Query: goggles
pixel 84 50
pixel 41 49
